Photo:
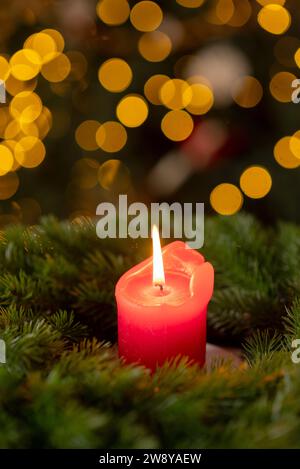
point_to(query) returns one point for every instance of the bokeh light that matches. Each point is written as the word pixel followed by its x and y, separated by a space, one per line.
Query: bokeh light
pixel 12 130
pixel 177 125
pixel 297 57
pixel 256 182
pixel 6 160
pixel 115 75
pixel 111 136
pixel 57 69
pixel 113 12
pixel 9 184
pixel 44 123
pixel 28 128
pixel 241 14
pixel 226 199
pixel 43 44
pixel 202 99
pixel 281 86
pixel 11 145
pixel 57 38
pixel 146 16
pixel 212 69
pixel 155 46
pixel 30 152
pixel 4 68
pixel 274 18
pixel 224 11
pixel 26 106
pixel 4 118
pixel 295 144
pixel 85 135
pixel 25 64
pixel 113 175
pixel 14 86
pixel 247 92
pixel 284 155
pixel 176 94
pixel 153 86
pixel 132 110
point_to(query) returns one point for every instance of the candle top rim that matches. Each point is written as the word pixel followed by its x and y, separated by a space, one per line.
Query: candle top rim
pixel 178 260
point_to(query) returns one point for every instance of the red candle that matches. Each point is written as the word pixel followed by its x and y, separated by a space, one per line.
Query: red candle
pixel 162 305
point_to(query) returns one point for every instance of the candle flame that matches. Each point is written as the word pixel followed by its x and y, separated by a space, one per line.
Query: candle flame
pixel 158 265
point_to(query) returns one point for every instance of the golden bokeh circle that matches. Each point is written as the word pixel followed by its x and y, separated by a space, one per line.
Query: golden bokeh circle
pixel 146 16
pixel 132 110
pixel 284 155
pixel 9 184
pixel 44 123
pixel 25 64
pixel 4 68
pixel 113 12
pixel 6 160
pixel 57 37
pixel 111 136
pixel 14 86
pixel 155 46
pixel 295 144
pixel 11 145
pixel 153 86
pixel 85 135
pixel 115 75
pixel 57 69
pixel 281 86
pixel 256 182
pixel 43 44
pixel 297 57
pixel 13 130
pixel 176 94
pixel 29 128
pixel 247 92
pixel 30 152
pixel 202 99
pixel 26 106
pixel 226 199
pixel 274 18
pixel 177 125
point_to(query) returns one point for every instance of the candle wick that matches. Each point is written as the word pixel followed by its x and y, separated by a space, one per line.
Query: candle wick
pixel 160 286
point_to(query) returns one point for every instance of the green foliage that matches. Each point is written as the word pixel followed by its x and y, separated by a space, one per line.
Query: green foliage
pixel 64 385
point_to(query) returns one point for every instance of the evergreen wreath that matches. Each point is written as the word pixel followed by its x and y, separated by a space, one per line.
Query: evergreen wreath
pixel 64 386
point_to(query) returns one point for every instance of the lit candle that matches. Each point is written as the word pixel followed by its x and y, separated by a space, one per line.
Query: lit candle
pixel 162 305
